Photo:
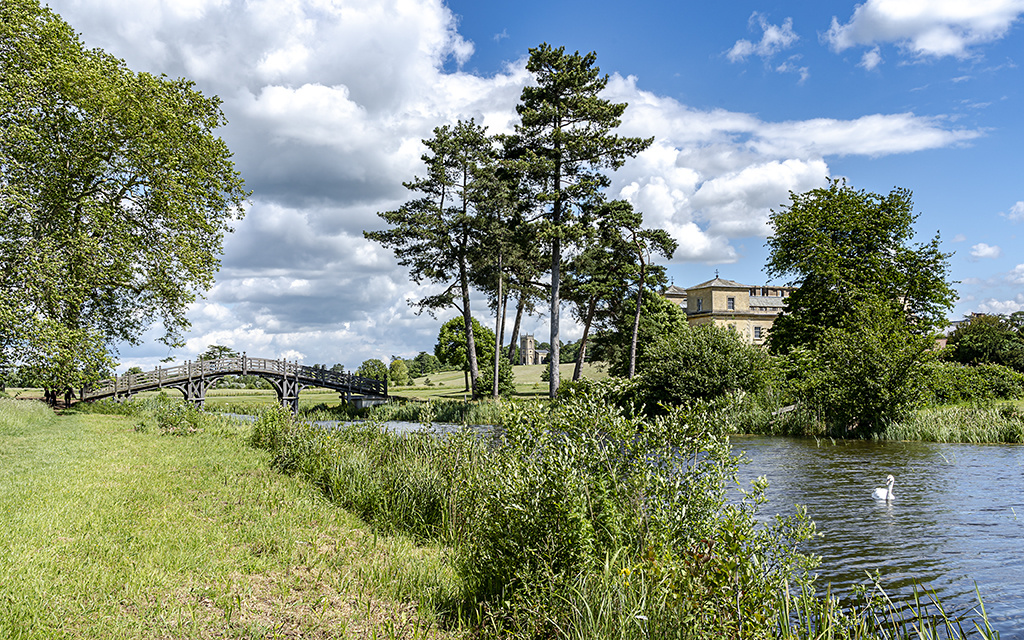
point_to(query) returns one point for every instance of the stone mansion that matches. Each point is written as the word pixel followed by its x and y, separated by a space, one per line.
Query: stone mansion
pixel 749 310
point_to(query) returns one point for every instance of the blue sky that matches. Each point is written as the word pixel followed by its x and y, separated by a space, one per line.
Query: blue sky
pixel 328 99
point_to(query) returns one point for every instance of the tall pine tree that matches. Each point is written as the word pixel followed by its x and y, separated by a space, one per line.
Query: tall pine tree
pixel 565 130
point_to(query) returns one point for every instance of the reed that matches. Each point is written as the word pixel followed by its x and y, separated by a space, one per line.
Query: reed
pixel 464 412
pixel 978 423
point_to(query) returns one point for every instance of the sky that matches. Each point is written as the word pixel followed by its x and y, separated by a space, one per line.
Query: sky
pixel 328 102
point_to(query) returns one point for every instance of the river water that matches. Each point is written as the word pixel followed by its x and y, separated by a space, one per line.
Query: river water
pixel 957 518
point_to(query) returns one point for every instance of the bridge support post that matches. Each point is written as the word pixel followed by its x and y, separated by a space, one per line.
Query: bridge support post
pixel 288 391
pixel 195 388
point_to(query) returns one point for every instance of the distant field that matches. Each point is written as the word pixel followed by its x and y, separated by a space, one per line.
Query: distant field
pixel 452 384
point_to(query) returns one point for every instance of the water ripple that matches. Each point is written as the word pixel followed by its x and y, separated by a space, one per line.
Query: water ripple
pixel 957 519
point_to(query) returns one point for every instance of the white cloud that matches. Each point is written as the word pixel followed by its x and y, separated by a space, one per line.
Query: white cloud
pixel 871 59
pixel 959 238
pixel 774 38
pixel 790 66
pixel 936 29
pixel 992 305
pixel 1016 276
pixel 982 250
pixel 1016 212
pixel 328 101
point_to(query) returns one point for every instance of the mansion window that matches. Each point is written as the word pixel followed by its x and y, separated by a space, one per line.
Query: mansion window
pixel 730 304
pixel 700 304
pixel 757 333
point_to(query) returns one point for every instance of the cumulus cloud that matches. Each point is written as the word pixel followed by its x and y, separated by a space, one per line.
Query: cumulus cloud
pixel 1016 276
pixel 1016 212
pixel 924 29
pixel 982 250
pixel 1005 307
pixel 774 38
pixel 328 101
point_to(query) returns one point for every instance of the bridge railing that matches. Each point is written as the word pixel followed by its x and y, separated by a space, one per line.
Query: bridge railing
pixel 237 365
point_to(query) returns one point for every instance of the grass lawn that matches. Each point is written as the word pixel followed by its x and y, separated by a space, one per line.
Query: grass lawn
pixel 109 532
pixel 452 384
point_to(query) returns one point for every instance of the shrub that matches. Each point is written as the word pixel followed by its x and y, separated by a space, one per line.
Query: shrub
pixel 951 382
pixel 506 378
pixel 701 363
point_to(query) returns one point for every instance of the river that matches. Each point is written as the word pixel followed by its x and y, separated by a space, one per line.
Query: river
pixel 957 518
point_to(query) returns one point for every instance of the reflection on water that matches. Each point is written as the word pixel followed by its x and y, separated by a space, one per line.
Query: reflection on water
pixel 957 519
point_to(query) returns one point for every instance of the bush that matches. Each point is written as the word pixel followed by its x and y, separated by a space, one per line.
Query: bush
pixel 506 378
pixel 701 363
pixel 951 382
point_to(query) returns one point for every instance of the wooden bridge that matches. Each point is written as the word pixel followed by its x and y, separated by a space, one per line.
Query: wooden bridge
pixel 193 379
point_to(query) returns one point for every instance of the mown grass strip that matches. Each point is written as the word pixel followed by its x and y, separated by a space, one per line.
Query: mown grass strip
pixel 116 533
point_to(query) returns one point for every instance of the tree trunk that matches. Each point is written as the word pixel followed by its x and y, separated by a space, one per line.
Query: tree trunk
pixel 515 329
pixel 636 321
pixel 498 331
pixel 577 371
pixel 556 264
pixel 474 368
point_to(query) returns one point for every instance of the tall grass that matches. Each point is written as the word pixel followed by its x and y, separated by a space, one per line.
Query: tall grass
pixel 16 416
pixel 978 423
pixel 465 412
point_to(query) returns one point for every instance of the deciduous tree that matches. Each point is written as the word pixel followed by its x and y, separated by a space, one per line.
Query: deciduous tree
pixel 452 346
pixel 840 247
pixel 115 195
pixel 988 339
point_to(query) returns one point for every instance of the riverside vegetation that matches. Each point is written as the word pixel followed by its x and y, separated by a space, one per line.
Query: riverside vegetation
pixel 581 520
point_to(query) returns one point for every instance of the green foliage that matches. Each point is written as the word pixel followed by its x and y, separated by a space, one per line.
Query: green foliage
pixel 952 382
pixel 217 351
pixel 563 489
pixel 658 317
pixel 398 372
pixel 862 377
pixel 987 339
pixel 622 230
pixel 565 138
pixel 117 195
pixel 843 246
pixel 373 368
pixel 437 233
pixel 506 378
pixel 701 363
pixel 451 349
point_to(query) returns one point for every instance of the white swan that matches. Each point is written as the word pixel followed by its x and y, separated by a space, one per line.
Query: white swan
pixel 885 493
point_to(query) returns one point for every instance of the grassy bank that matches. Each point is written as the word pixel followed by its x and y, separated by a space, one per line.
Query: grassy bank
pixel 580 522
pixel 112 530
